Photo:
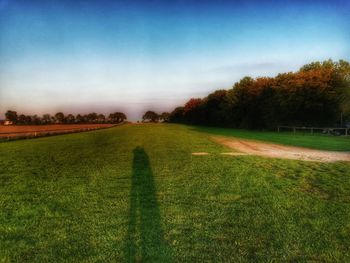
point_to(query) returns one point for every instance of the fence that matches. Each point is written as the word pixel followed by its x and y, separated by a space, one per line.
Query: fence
pixel 313 130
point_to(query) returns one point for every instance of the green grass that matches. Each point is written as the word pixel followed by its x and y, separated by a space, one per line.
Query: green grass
pixel 316 141
pixel 136 194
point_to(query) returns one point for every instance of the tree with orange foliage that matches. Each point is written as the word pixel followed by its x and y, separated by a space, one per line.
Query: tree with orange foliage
pixel 316 95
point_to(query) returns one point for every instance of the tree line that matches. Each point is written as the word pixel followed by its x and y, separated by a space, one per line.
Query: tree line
pixel 318 94
pixel 60 118
pixel 151 116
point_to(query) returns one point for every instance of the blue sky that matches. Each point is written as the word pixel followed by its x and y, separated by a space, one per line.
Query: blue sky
pixel 83 56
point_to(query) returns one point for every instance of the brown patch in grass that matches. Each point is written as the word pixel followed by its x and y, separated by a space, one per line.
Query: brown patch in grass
pixel 315 191
pixel 234 153
pixel 281 151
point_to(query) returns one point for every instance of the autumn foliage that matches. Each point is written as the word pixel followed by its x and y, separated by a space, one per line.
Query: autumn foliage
pixel 318 94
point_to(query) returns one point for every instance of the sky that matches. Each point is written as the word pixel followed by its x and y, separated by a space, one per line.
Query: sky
pixel 132 56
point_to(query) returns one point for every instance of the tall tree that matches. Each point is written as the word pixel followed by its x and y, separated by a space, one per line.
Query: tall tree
pixel 101 118
pixel 193 112
pixel 46 119
pixel 21 119
pixel 150 116
pixel 217 108
pixel 164 116
pixel 177 115
pixel 59 117
pixel 79 118
pixel 70 119
pixel 11 116
pixel 318 94
pixel 36 120
pixel 117 117
pixel 28 119
pixel 92 117
pixel 121 117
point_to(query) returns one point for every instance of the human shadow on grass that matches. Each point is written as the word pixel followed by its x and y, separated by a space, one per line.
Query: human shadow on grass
pixel 145 241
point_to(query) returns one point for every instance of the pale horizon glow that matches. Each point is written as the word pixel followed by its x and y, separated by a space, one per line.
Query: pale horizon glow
pixel 106 56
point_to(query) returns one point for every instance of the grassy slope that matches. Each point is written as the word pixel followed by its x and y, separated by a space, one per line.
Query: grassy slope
pixel 316 141
pixel 135 193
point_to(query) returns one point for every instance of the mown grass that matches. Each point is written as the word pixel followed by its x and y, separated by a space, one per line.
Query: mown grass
pixel 136 194
pixel 315 141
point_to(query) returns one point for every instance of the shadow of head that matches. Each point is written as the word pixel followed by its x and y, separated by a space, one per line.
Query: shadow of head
pixel 141 163
pixel 139 151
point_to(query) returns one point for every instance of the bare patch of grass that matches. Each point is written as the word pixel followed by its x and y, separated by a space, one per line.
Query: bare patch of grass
pixel 281 151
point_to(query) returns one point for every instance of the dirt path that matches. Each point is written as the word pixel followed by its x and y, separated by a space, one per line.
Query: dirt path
pixel 281 151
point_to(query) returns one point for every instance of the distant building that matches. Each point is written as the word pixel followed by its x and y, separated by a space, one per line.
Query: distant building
pixel 7 122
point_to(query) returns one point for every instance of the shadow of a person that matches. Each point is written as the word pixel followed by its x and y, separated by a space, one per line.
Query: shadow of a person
pixel 145 241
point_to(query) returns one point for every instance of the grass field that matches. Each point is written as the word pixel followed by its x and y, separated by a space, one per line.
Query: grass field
pixel 135 193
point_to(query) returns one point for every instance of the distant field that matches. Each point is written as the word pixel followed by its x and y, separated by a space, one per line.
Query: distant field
pixel 28 130
pixel 135 193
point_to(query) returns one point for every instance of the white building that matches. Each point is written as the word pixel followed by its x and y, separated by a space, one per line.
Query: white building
pixel 7 122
